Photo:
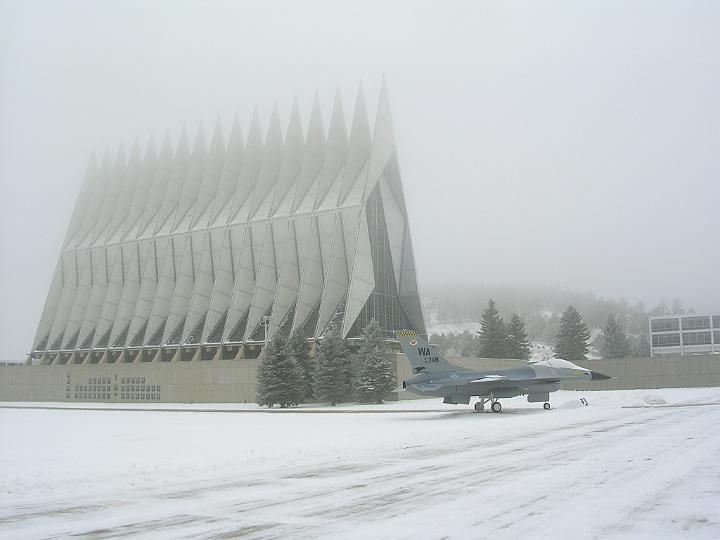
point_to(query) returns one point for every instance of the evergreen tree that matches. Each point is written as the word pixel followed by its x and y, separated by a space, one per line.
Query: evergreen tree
pixel 333 369
pixel 299 350
pixel 661 308
pixel 376 377
pixel 467 344
pixel 517 344
pixel 677 307
pixel 278 379
pixel 572 339
pixel 614 339
pixel 641 346
pixel 492 333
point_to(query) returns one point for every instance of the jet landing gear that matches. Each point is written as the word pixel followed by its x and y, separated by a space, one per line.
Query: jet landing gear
pixel 494 405
pixel 480 405
pixel 546 406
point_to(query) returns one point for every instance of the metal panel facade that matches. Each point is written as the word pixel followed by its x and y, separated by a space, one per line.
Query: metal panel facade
pixel 227 245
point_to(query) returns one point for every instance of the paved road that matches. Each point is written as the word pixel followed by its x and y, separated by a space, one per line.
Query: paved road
pixel 646 471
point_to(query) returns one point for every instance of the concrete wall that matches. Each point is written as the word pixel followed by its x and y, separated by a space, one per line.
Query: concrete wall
pixel 658 372
pixel 213 381
pixel 233 381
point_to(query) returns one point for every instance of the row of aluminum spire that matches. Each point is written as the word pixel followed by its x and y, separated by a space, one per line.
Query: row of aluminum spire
pixel 205 244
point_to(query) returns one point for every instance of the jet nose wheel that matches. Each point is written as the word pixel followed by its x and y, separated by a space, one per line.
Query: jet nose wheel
pixel 496 407
pixel 546 406
pixel 479 406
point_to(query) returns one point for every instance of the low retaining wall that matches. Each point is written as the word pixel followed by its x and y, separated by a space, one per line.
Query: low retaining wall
pixel 211 381
pixel 658 372
pixel 233 381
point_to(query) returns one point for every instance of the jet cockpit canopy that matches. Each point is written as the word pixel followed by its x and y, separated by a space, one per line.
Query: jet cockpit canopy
pixel 559 363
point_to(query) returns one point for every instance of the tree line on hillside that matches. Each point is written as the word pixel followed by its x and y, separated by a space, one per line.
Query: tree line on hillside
pixel 541 308
pixel 571 341
pixel 288 376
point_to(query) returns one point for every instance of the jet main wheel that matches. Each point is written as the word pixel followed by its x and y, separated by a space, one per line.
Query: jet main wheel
pixel 546 406
pixel 496 407
pixel 479 406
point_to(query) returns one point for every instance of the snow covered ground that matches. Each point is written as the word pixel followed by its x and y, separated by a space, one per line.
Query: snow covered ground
pixel 631 464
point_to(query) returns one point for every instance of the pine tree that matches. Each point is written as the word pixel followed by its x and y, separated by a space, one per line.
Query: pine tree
pixel 614 339
pixel 376 377
pixel 299 350
pixel 572 339
pixel 332 371
pixel 278 379
pixel 492 333
pixel 641 346
pixel 517 344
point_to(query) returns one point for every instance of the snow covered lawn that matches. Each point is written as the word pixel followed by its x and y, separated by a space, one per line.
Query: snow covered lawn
pixel 631 464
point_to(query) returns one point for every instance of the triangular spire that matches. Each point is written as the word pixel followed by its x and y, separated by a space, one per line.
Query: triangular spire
pixel 358 153
pixel 161 176
pixel 230 174
pixel 211 176
pixel 110 200
pixel 125 195
pixel 175 183
pixel 291 160
pixel 335 153
pixel 252 159
pixel 313 156
pixel 142 191
pixel 270 167
pixel 383 144
pixel 83 200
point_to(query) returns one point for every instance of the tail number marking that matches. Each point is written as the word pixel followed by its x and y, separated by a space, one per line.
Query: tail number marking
pixel 424 352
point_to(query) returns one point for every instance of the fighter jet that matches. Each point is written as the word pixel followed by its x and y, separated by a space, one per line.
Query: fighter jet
pixel 435 376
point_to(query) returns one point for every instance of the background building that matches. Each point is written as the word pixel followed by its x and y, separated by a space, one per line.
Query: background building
pixel 203 251
pixel 684 334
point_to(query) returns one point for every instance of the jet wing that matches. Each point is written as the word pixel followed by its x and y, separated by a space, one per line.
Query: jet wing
pixel 428 387
pixel 520 380
pixel 489 378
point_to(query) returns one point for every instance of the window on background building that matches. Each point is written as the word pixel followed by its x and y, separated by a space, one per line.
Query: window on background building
pixel 716 336
pixel 666 340
pixel 664 325
pixel 696 338
pixel 695 323
pixel 716 321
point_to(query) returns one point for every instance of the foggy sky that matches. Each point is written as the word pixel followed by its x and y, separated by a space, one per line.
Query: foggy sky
pixel 565 144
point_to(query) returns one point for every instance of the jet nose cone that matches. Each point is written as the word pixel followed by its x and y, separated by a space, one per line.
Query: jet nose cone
pixel 599 376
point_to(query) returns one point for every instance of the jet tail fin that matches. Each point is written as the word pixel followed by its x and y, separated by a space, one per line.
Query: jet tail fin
pixel 422 356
